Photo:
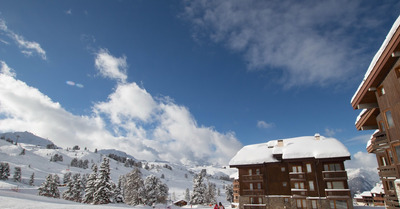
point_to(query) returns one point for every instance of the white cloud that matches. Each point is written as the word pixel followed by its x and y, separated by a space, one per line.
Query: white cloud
pixel 68 12
pixel 308 41
pixel 331 132
pixel 362 160
pixel 263 124
pixel 130 120
pixel 6 70
pixel 110 66
pixel 27 47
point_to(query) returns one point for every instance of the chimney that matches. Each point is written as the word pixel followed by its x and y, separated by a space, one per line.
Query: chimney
pixel 317 136
pixel 280 143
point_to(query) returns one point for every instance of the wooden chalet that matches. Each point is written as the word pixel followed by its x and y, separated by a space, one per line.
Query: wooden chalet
pixel 302 172
pixel 375 197
pixel 379 97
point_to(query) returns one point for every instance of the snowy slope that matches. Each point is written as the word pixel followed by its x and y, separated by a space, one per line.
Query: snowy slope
pixel 37 160
pixel 26 137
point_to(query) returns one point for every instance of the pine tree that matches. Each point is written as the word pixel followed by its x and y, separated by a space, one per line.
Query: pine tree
pixel 4 171
pixel 90 186
pixel 54 186
pixel 17 174
pixel 49 188
pixel 118 191
pixel 32 179
pixel 67 178
pixel 103 184
pixel 133 188
pixel 229 192
pixel 199 190
pixel 78 188
pixel 155 190
pixel 67 194
pixel 210 193
pixel 187 195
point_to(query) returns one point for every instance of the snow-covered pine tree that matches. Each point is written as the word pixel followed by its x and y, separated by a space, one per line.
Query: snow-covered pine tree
pixel 155 191
pixel 118 191
pixel 187 195
pixel 32 179
pixel 67 178
pixel 103 184
pixel 229 192
pixel 133 187
pixel 17 174
pixel 54 186
pixel 49 188
pixel 210 193
pixel 67 194
pixel 4 171
pixel 199 189
pixel 77 188
pixel 90 186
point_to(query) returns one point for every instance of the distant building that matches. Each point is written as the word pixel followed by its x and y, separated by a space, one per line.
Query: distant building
pixel 180 203
pixel 379 97
pixel 236 189
pixel 375 197
pixel 302 172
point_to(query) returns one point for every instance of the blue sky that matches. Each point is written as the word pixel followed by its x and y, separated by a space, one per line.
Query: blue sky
pixel 187 81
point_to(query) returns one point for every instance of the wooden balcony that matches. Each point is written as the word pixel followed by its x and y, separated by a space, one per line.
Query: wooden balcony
pixel 334 175
pixel 252 192
pixel 299 192
pixel 391 200
pixel 254 206
pixel 387 171
pixel 379 142
pixel 252 178
pixel 299 176
pixel 332 193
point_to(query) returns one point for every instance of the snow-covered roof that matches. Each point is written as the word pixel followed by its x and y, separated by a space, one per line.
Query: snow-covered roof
pixel 292 148
pixel 378 54
pixel 366 194
pixel 378 189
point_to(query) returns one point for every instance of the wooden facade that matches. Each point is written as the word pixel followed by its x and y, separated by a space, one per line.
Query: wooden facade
pixel 379 96
pixel 295 183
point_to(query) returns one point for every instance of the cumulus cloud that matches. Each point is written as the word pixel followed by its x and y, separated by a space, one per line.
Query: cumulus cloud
pixel 362 160
pixel 27 47
pixel 110 66
pixel 307 41
pixel 71 83
pixel 131 120
pixel 263 124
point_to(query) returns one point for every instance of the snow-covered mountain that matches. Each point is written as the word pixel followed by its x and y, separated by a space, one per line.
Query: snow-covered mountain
pixel 361 179
pixel 25 137
pixel 37 160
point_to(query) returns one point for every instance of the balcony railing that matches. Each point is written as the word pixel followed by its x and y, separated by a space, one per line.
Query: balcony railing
pixel 337 192
pixel 298 176
pixel 334 175
pixel 391 200
pixel 254 206
pixel 252 177
pixel 380 141
pixel 299 192
pixel 252 192
pixel 387 171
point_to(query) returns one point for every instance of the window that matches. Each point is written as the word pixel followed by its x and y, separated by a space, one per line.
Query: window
pixel 309 170
pixel 258 185
pixel 335 185
pixel 389 152
pixel 382 126
pixel 332 167
pixel 311 185
pixel 389 119
pixel 258 171
pixel 260 200
pixel 383 161
pixel 314 204
pixel 381 91
pixel 390 185
pixel 251 186
pixel 338 204
pixel 301 203
pixel 284 183
pixel 296 169
pixel 250 172
pixel 283 169
pixel 251 200
pixel 397 70
pixel 299 185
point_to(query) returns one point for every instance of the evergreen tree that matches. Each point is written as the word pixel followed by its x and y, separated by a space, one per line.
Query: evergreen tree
pixel 229 192
pixel 49 188
pixel 210 193
pixel 133 188
pixel 118 191
pixel 77 188
pixel 22 152
pixel 103 184
pixel 32 179
pixel 4 171
pixel 187 195
pixel 17 174
pixel 155 191
pixel 199 189
pixel 54 186
pixel 67 178
pixel 67 194
pixel 90 186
